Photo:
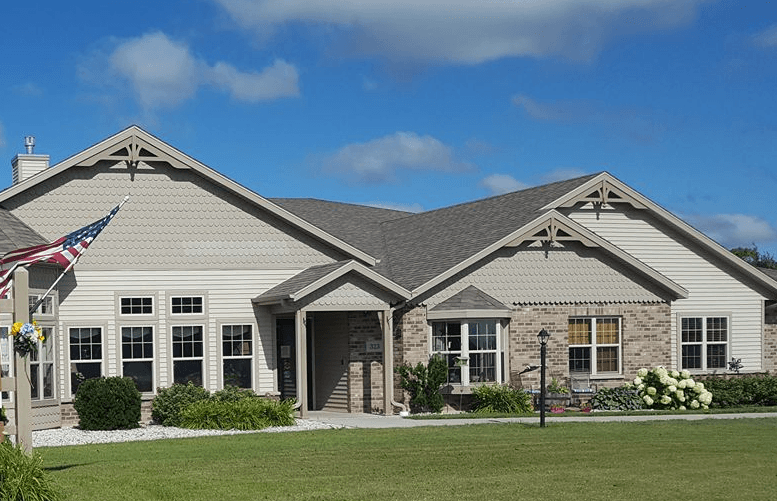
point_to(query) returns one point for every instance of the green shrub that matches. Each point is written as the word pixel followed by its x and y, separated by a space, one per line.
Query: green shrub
pixel 233 394
pixel 424 384
pixel 660 388
pixel 500 398
pixel 616 399
pixel 111 403
pixel 244 414
pixel 742 391
pixel 170 402
pixel 22 477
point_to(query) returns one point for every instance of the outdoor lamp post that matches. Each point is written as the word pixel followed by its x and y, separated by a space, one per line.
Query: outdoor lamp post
pixel 543 338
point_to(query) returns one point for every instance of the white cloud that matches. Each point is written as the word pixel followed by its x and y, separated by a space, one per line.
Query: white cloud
pixel 734 230
pixel 467 31
pixel 164 73
pixel 767 37
pixel 499 184
pixel 379 160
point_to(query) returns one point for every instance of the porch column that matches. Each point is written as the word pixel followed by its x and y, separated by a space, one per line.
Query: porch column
pixel 300 332
pixel 388 363
pixel 22 396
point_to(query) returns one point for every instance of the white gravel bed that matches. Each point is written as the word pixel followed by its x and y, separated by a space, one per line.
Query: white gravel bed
pixel 74 436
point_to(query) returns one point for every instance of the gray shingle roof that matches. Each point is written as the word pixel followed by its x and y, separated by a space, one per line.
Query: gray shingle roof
pixel 14 234
pixel 470 298
pixel 420 247
pixel 300 281
pixel 358 225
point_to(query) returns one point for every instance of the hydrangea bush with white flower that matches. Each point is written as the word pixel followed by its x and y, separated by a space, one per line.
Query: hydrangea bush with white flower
pixel 663 389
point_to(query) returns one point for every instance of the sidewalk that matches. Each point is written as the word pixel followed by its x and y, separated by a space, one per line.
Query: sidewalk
pixel 345 420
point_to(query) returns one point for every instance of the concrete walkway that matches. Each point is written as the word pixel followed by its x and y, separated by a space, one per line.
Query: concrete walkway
pixel 345 420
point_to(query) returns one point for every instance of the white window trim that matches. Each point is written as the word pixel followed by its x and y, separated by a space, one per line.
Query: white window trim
pixel 53 297
pixel 136 315
pixel 152 359
pixel 593 345
pixel 250 357
pixel 192 314
pixel 704 343
pixel 201 358
pixel 70 362
pixel 49 339
pixel 465 353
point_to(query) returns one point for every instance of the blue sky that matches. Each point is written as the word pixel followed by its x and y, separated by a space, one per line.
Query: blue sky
pixel 418 105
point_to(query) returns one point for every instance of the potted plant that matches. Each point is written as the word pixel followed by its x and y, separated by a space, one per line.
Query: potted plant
pixel 557 409
pixel 585 407
pixel 558 395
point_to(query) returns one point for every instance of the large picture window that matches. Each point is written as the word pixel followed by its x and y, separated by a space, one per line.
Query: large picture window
pixel 704 342
pixel 595 345
pixel 137 353
pixel 86 354
pixel 471 349
pixel 236 341
pixel 187 354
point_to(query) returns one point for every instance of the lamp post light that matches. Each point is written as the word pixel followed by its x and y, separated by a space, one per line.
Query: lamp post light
pixel 543 339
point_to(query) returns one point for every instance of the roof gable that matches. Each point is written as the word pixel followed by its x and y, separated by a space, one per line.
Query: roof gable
pixel 134 145
pixel 14 234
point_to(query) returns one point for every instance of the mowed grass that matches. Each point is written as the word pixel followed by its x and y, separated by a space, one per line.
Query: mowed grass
pixel 711 459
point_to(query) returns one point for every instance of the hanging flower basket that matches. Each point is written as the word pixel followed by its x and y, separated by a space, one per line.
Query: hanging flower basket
pixel 26 337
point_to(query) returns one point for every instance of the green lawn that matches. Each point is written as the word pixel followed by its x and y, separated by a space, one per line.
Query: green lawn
pixel 711 459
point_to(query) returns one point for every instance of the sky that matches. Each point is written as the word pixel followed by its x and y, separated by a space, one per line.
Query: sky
pixel 417 104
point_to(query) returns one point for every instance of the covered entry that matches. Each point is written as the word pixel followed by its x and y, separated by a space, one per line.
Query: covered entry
pixel 337 319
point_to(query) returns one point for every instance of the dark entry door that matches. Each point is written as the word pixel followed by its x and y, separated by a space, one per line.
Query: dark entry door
pixel 287 367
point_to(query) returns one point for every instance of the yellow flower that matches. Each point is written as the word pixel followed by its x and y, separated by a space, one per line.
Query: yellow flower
pixel 16 328
pixel 41 338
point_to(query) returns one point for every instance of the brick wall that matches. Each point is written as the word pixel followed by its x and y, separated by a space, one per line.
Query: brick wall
pixel 646 330
pixel 770 346
pixel 365 369
pixel 411 345
pixel 70 416
pixel 646 339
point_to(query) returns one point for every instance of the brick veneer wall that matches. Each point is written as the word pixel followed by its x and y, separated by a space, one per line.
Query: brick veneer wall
pixel 770 346
pixel 411 344
pixel 70 416
pixel 646 341
pixel 365 369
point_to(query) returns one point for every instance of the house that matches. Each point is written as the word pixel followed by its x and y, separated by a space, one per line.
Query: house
pixel 201 279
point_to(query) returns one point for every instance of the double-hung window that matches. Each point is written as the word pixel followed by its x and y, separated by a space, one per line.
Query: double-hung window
pixel 595 345
pixel 704 342
pixel 42 367
pixel 86 354
pixel 137 353
pixel 471 348
pixel 187 354
pixel 236 341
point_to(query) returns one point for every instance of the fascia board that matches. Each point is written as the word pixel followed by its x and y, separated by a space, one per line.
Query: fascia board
pixel 186 161
pixel 530 227
pixel 580 190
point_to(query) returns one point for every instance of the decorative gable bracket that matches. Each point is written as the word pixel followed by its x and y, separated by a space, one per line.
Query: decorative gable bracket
pixel 132 151
pixel 552 230
pixel 603 193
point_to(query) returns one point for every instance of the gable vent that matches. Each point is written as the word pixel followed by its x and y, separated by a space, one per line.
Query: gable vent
pixel 25 165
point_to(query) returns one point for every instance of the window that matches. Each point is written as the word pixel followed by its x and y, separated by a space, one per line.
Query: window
pixel 471 349
pixel 704 342
pixel 187 354
pixel 46 306
pixel 42 367
pixel 86 353
pixel 594 345
pixel 187 305
pixel 137 353
pixel 137 305
pixel 236 349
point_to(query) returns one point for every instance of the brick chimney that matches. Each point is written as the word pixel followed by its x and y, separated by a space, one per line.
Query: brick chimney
pixel 28 164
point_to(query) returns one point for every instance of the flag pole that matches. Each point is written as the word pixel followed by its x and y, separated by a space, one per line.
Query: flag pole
pixel 69 267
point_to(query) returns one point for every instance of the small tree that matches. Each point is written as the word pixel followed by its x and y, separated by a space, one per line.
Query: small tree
pixel 755 257
pixel 424 383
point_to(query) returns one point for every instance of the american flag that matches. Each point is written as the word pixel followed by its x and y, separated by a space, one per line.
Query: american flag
pixel 62 251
